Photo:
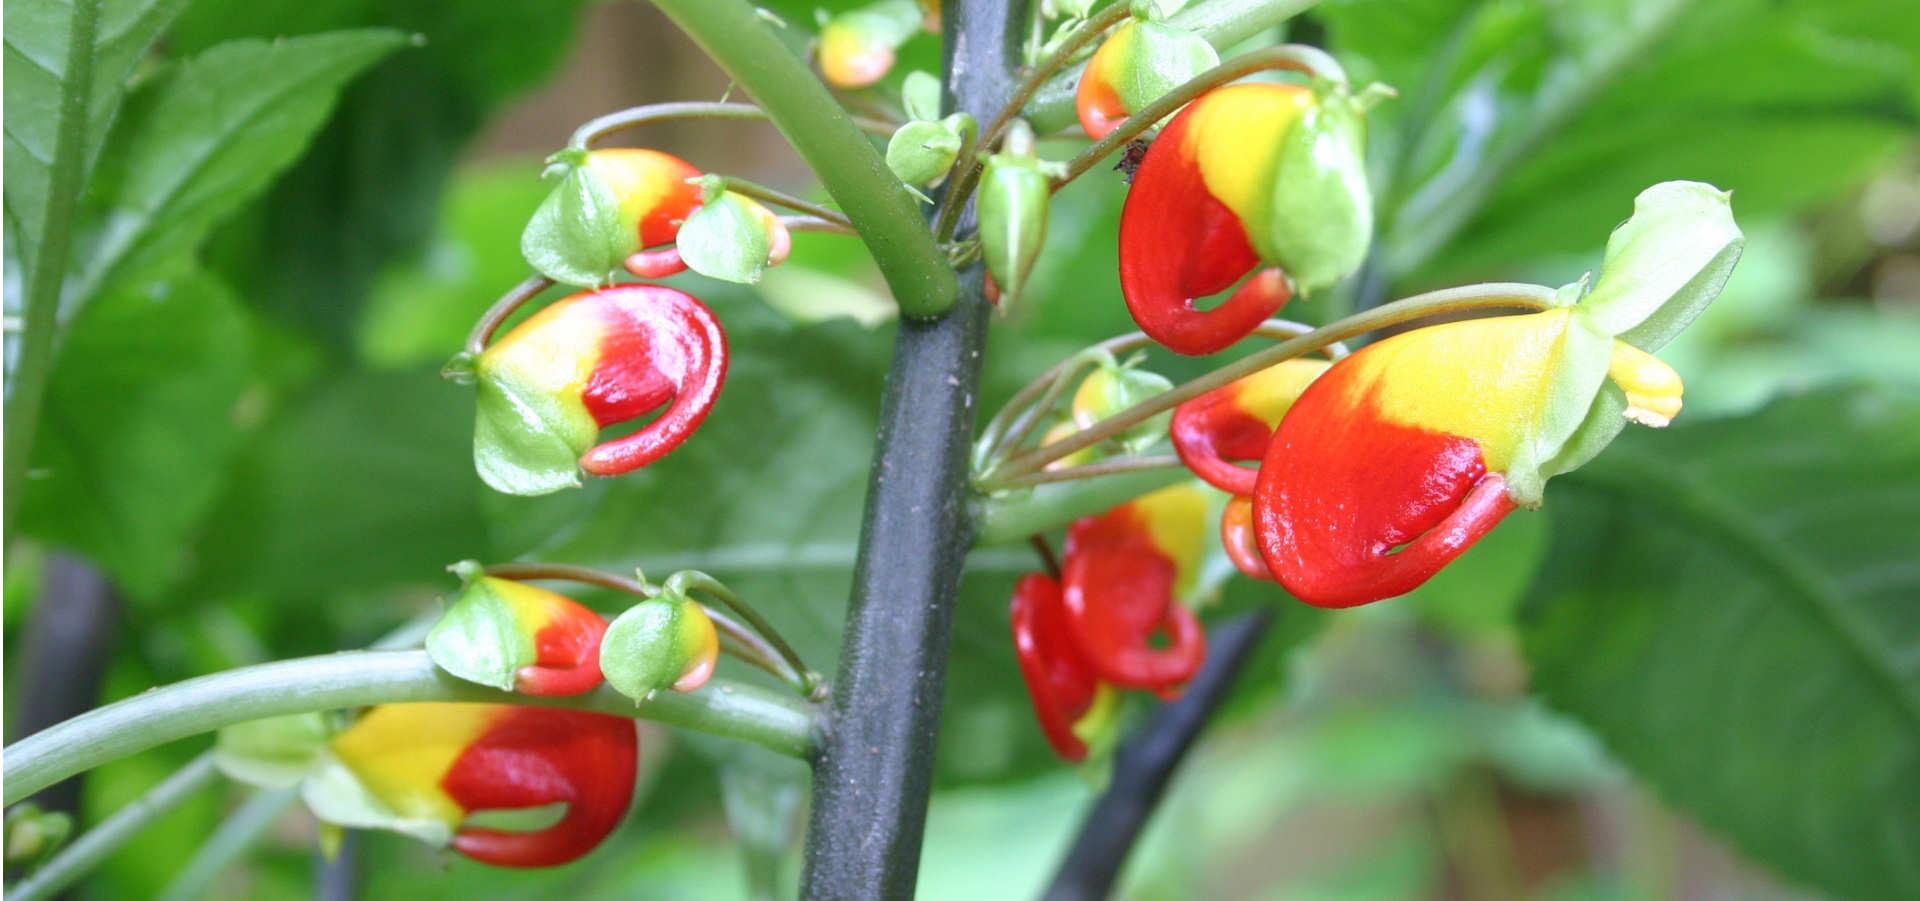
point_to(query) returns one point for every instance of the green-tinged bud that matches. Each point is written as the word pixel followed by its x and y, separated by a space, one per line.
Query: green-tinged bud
pixel 920 94
pixel 733 238
pixel 1012 205
pixel 1114 387
pixel 665 642
pixel 921 153
pixel 276 752
pixel 608 205
pixel 857 47
pixel 34 834
pixel 1321 215
pixel 517 637
pixel 1665 264
pixel 1138 64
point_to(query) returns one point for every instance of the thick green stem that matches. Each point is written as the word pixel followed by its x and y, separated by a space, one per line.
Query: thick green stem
pixel 1222 23
pixel 79 858
pixel 1433 303
pixel 849 166
pixel 361 679
pixel 1010 516
pixel 27 388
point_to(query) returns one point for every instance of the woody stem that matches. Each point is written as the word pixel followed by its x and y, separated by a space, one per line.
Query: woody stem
pixel 1433 303
pixel 763 652
pixel 1297 57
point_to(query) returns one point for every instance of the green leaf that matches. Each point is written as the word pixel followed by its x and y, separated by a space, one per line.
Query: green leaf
pixel 37 36
pixel 209 133
pixel 1730 606
pixel 364 482
pixel 140 425
pixel 576 237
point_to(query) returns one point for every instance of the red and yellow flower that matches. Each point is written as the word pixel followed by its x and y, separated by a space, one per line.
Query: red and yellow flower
pixel 1401 456
pixel 1235 422
pixel 590 361
pixel 443 762
pixel 653 194
pixel 1267 179
pixel 518 637
pixel 1094 629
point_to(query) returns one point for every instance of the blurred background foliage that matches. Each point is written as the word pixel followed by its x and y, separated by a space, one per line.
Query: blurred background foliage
pixel 1695 675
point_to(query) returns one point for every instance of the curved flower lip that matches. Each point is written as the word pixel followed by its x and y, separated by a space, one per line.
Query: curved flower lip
pixel 1236 422
pixel 1238 540
pixel 1426 439
pixel 1183 230
pixel 1122 572
pixel 586 362
pixel 1059 682
pixel 445 761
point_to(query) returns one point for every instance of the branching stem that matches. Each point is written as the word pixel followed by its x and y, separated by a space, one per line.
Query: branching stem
pixel 595 129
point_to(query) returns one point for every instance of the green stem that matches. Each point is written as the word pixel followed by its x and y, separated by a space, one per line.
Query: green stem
pixel 361 679
pixel 1432 303
pixel 79 858
pixel 599 127
pixel 816 224
pixel 766 652
pixel 1010 516
pixel 1431 225
pixel 811 684
pixel 1297 57
pixel 851 169
pixel 778 197
pixel 1222 23
pixel 1097 470
pixel 27 388
pixel 490 321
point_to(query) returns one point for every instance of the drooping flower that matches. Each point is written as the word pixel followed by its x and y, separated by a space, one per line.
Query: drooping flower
pixel 1268 179
pixel 589 361
pixel 518 637
pixel 1074 706
pixel 1121 580
pixel 438 763
pixel 1401 456
pixel 1236 422
pixel 1134 66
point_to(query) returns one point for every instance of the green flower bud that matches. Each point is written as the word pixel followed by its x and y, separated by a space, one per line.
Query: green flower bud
pixel 665 642
pixel 1320 217
pixel 1665 264
pixel 1114 387
pixel 1012 206
pixel 733 238
pixel 921 153
pixel 34 834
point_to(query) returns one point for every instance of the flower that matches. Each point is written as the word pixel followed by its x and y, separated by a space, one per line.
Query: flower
pixel 1401 456
pixel 588 361
pixel 1236 422
pixel 438 763
pixel 518 637
pixel 1266 177
pixel 1134 66
pixel 1092 630
pixel 608 209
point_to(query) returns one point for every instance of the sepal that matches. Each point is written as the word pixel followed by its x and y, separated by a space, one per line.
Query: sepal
pixel 1665 264
pixel 518 637
pixel 1012 202
pixel 733 238
pixel 664 642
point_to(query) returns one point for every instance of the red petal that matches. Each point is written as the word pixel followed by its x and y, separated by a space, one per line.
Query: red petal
pixel 535 756
pixel 653 330
pixel 1117 589
pixel 1178 243
pixel 1340 490
pixel 1212 430
pixel 567 656
pixel 1057 680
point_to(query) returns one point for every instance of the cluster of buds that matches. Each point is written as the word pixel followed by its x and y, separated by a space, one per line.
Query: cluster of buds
pixel 1094 628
